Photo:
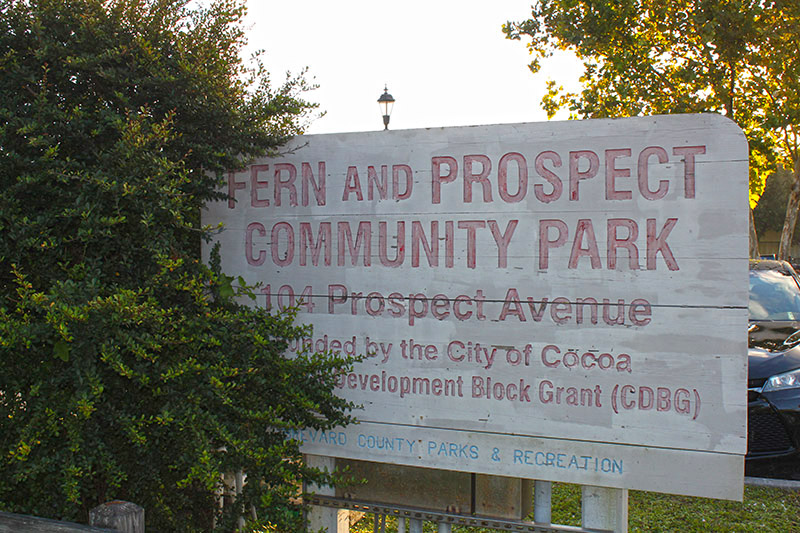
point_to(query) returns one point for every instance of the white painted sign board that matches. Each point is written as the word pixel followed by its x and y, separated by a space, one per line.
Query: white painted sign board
pixel 560 301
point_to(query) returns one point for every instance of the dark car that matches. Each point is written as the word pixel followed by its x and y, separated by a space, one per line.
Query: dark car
pixel 773 425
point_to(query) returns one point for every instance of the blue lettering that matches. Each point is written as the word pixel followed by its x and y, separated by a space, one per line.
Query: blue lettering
pixel 450 449
pixel 473 452
pixel 565 461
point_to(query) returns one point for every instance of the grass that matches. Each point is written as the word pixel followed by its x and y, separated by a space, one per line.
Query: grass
pixel 764 510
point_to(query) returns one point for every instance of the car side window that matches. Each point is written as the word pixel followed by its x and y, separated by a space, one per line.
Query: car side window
pixel 774 295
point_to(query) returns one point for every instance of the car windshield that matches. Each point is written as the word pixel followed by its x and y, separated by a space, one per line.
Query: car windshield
pixel 774 295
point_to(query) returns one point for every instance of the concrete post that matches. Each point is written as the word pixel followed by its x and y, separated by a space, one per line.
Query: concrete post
pixel 604 508
pixel 542 502
pixel 125 517
pixel 329 519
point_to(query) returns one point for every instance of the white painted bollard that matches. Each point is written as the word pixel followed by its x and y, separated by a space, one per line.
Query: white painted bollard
pixel 604 508
pixel 328 519
pixel 542 502
pixel 414 525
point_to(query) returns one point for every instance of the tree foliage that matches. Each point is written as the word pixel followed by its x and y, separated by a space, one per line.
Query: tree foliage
pixel 128 368
pixel 770 213
pixel 735 57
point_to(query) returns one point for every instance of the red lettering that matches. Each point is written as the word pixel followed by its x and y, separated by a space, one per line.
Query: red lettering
pixel 430 246
pixel 549 176
pixel 481 177
pixel 584 228
pixel 363 240
pixel 545 243
pixel 688 153
pixel 440 307
pixel 322 244
pixel 400 245
pixel 310 183
pixel 560 310
pixel 471 226
pixel 502 240
pixel 396 170
pixel 461 298
pixel 436 177
pixel 522 176
pixel 545 361
pixel 287 183
pixel 256 184
pixel 658 244
pixel 233 186
pixel 576 175
pixel 512 299
pixel 629 243
pixel 288 257
pixel 248 244
pixel 334 298
pixel 663 185
pixel 372 182
pixel 352 185
pixel 612 173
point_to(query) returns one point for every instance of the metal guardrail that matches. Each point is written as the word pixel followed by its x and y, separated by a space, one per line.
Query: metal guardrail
pixel 499 524
pixel 17 523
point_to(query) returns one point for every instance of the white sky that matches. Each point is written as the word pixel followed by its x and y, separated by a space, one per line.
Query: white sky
pixel 446 62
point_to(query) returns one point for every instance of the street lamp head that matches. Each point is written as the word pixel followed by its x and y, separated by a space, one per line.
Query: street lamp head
pixel 386 102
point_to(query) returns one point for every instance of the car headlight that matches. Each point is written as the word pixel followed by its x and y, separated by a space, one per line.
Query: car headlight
pixel 788 380
pixel 792 339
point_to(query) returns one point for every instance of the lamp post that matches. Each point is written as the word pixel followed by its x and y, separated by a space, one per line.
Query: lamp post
pixel 386 102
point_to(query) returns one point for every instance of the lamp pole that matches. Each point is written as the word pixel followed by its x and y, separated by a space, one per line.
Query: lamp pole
pixel 386 102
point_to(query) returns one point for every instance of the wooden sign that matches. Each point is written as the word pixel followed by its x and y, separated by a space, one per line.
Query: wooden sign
pixel 560 301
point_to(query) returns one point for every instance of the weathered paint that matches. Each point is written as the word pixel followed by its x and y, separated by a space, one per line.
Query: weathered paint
pixel 573 288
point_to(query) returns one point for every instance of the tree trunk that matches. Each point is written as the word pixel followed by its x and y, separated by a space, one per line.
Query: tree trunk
pixel 791 214
pixel 754 253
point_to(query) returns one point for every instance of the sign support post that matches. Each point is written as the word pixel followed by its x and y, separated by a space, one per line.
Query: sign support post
pixel 604 508
pixel 542 502
pixel 327 518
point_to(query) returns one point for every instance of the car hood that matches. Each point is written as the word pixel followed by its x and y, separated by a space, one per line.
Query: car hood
pixel 768 355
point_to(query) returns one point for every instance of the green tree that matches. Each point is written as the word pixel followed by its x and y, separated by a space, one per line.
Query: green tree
pixel 735 57
pixel 770 212
pixel 775 89
pixel 128 368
